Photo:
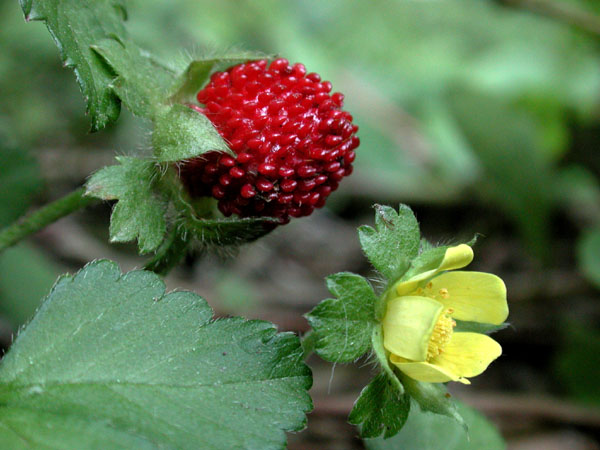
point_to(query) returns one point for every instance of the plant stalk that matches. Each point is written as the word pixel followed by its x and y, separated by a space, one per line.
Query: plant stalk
pixel 31 223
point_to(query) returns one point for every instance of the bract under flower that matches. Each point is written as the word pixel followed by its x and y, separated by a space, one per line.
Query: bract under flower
pixel 418 325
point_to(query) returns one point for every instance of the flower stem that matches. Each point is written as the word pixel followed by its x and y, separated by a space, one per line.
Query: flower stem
pixel 39 219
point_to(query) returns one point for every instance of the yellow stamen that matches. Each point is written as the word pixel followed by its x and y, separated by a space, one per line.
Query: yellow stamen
pixel 444 293
pixel 442 332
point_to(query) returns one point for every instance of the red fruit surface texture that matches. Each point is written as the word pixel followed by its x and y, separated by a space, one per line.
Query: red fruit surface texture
pixel 293 142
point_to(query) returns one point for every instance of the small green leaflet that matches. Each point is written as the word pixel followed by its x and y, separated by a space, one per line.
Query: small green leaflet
pixel 111 361
pixel 139 213
pixel 343 325
pixel 381 408
pixel 75 25
pixel 142 83
pixel 181 133
pixel 393 243
pixel 198 72
pixel 429 431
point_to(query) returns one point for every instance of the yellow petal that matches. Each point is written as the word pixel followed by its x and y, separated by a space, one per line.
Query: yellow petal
pixel 408 324
pixel 467 354
pixel 455 258
pixel 423 371
pixel 474 296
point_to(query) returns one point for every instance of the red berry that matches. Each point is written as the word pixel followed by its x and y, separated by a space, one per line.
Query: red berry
pixel 293 143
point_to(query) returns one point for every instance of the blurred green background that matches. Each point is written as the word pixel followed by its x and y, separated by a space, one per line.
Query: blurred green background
pixel 485 118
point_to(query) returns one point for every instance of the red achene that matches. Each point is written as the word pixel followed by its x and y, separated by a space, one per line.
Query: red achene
pixel 293 142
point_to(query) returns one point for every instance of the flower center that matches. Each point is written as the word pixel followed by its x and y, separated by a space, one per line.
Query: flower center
pixel 442 332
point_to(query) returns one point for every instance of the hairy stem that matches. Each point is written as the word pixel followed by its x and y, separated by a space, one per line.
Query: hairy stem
pixel 39 219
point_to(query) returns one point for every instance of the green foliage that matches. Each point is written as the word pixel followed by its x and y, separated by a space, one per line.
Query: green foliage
pixel 381 408
pixel 139 213
pixel 19 179
pixel 75 25
pixel 429 431
pixel 181 133
pixel 394 243
pixel 577 368
pixel 142 82
pixel 83 374
pixel 343 325
pixel 588 255
pixel 517 178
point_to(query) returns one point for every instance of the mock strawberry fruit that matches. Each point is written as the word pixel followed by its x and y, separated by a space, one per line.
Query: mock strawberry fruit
pixel 293 143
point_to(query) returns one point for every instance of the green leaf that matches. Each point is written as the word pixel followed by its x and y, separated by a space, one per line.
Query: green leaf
pixel 433 432
pixel 139 213
pixel 380 408
pixel 142 83
pixel 344 325
pixel 198 72
pixel 183 133
pixel 111 361
pixel 432 397
pixel 588 255
pixel 75 25
pixel 394 243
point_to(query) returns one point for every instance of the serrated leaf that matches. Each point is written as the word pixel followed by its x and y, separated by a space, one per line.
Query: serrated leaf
pixel 344 325
pixel 381 408
pixel 142 83
pixel 139 212
pixel 75 25
pixel 199 71
pixel 394 241
pixel 432 397
pixel 433 432
pixel 111 361
pixel 183 133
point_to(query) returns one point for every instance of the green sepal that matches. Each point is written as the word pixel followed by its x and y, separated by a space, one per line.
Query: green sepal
pixel 140 211
pixel 432 397
pixel 343 325
pixel 75 25
pixel 479 327
pixel 198 72
pixel 394 241
pixel 141 82
pixel 229 231
pixel 380 408
pixel 181 133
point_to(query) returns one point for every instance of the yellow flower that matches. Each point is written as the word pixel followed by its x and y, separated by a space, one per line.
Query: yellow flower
pixel 418 323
